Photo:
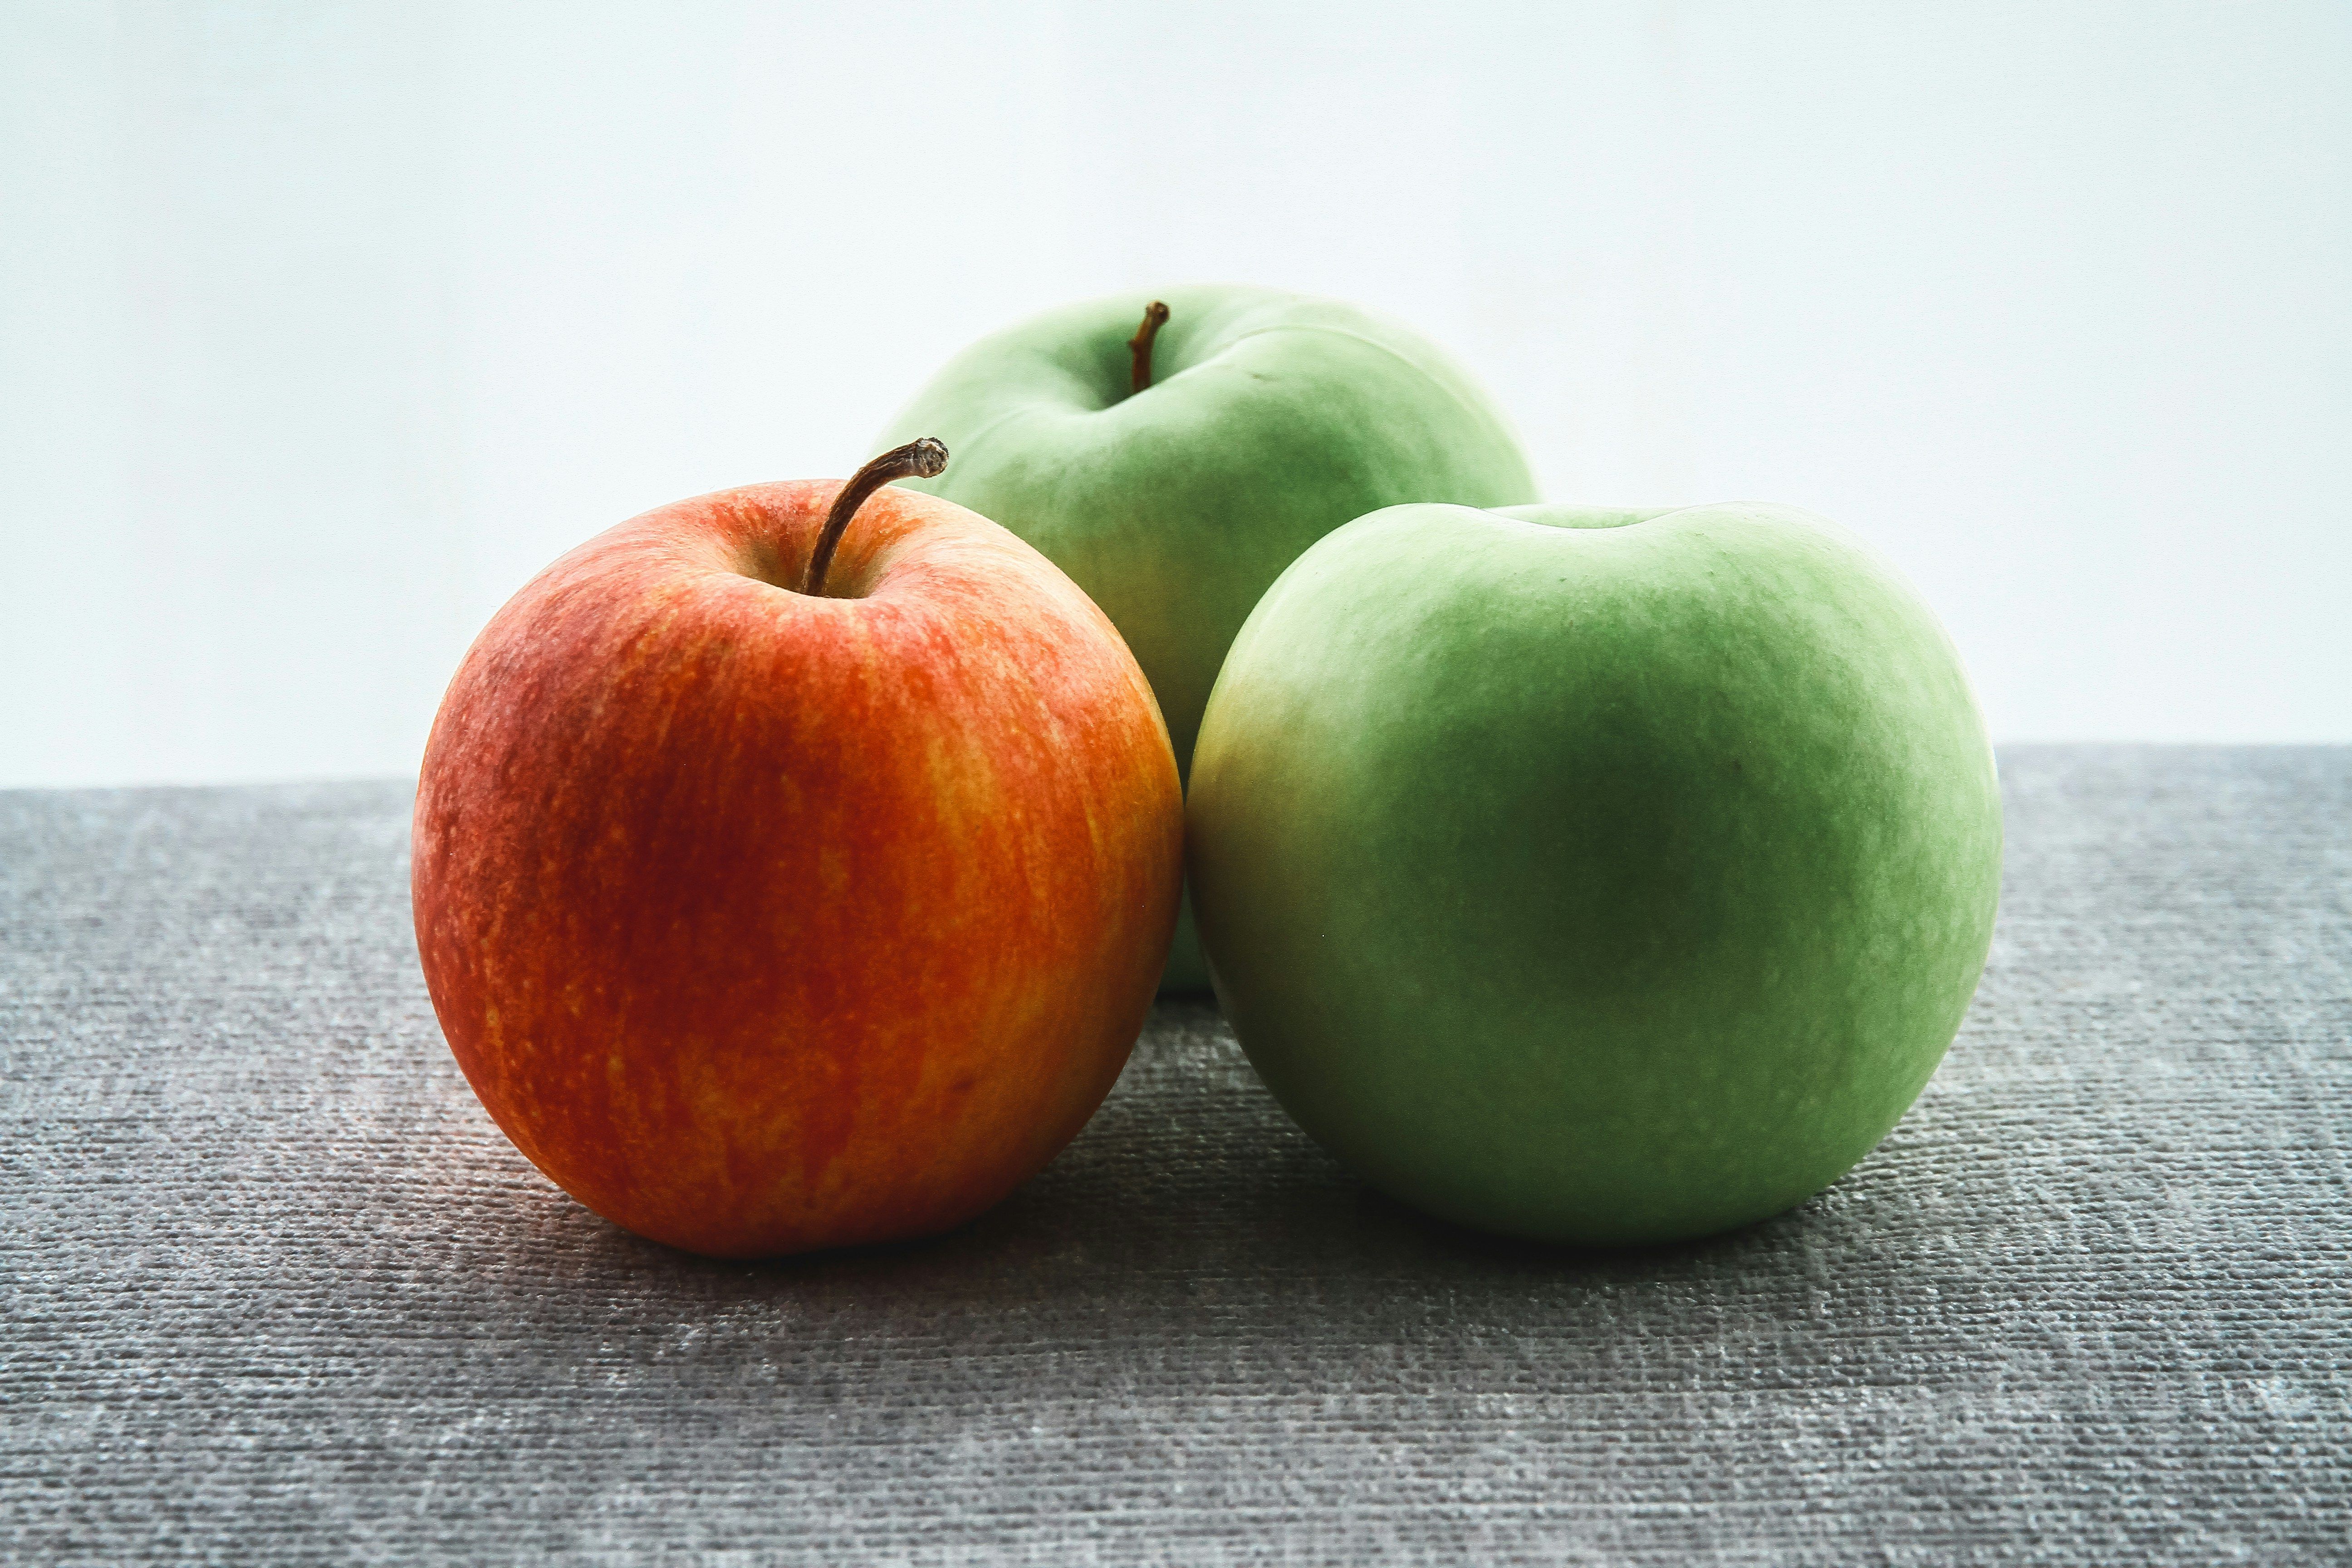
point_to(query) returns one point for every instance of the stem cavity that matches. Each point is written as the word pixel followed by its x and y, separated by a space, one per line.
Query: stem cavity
pixel 1155 316
pixel 916 459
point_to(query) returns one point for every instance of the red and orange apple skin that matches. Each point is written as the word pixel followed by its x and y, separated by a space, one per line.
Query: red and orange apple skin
pixel 764 922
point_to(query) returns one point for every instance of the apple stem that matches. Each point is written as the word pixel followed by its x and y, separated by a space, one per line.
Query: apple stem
pixel 916 459
pixel 1155 316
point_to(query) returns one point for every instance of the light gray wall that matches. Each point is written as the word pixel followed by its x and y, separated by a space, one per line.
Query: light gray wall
pixel 321 328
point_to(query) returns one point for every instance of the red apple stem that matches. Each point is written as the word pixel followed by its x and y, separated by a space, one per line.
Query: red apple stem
pixel 916 459
pixel 1155 316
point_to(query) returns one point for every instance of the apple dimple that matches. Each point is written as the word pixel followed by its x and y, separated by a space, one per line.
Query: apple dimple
pixel 1563 514
pixel 760 559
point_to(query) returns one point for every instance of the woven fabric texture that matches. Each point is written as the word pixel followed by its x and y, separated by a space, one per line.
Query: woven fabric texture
pixel 277 1291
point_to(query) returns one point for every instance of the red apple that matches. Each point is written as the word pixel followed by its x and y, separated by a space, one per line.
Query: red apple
pixel 765 920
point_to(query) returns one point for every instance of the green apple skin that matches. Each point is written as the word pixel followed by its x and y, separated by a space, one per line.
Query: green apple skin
pixel 1600 877
pixel 1271 419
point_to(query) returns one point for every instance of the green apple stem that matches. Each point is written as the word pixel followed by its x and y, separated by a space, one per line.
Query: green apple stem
pixel 1155 316
pixel 916 459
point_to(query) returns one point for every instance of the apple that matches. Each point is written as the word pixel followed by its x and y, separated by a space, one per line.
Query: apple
pixel 1174 452
pixel 1593 876
pixel 794 865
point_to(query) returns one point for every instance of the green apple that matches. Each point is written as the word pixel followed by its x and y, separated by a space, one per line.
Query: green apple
pixel 1173 469
pixel 1600 877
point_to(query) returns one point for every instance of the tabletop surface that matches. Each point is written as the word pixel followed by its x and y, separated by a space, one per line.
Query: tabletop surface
pixel 277 1291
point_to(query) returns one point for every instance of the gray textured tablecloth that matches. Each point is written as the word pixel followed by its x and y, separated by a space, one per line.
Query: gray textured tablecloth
pixel 275 1290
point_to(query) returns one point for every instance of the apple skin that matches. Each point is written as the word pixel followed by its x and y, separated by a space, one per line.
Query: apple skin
pixel 1271 419
pixel 764 922
pixel 1606 878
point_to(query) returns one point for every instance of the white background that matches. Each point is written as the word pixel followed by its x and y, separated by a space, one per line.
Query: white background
pixel 322 327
